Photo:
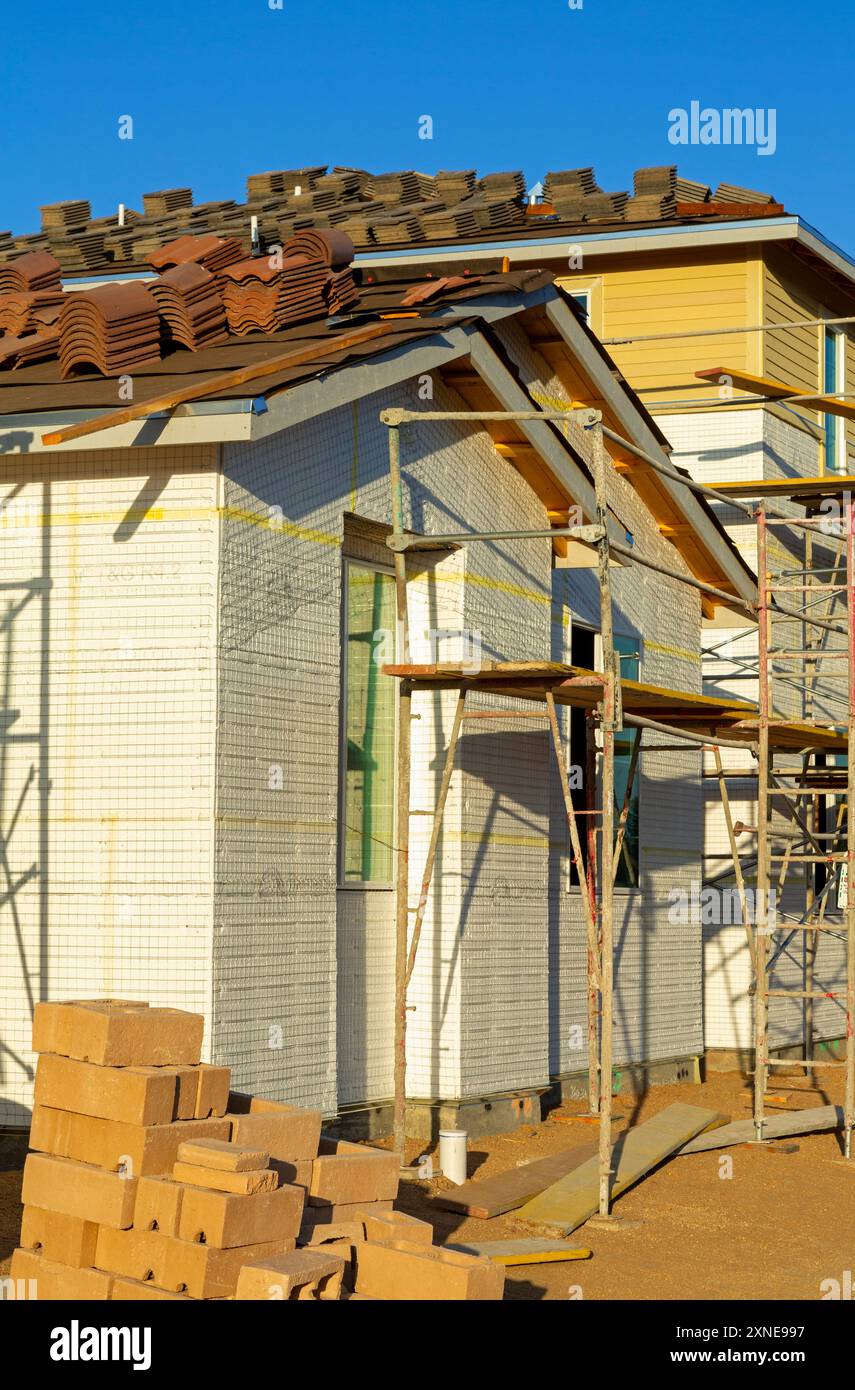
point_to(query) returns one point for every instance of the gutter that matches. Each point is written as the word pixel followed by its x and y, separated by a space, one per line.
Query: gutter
pixel 526 250
pixel 596 243
pixel 196 422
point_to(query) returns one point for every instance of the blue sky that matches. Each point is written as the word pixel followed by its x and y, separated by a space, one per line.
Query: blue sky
pixel 219 89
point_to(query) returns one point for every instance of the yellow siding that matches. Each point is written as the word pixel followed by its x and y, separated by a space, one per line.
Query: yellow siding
pixel 791 292
pixel 640 295
pixel 791 356
pixel 645 295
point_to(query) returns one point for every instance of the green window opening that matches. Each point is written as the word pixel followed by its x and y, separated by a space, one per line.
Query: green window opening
pixel 369 714
pixel 629 656
pixel 833 383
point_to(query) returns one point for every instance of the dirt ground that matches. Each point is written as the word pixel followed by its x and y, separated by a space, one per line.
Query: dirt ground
pixel 783 1223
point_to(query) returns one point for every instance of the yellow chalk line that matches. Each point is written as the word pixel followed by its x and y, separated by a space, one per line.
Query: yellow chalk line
pixel 672 651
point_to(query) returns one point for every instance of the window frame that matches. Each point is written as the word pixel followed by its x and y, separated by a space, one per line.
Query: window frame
pixel 576 885
pixel 639 643
pixel 344 884
pixel 834 460
pixel 619 888
pixel 579 296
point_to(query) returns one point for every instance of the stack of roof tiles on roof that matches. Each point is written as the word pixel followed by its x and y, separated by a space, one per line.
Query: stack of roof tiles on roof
pixel 394 209
pixel 22 311
pixel 308 279
pixel 212 253
pixel 114 328
pixel 62 218
pixel 36 270
pixel 266 292
pixel 654 193
pixel 29 348
pixel 41 386
pixel 167 200
pixel 190 305
pixel 117 327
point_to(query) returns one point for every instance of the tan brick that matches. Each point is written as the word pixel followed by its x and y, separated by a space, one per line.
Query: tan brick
pixel 298 1174
pixel 118 1034
pixel 53 1022
pixel 158 1205
pixel 346 1250
pixel 178 1265
pixel 383 1226
pixel 135 1291
pixel 62 1239
pixel 287 1132
pixel 57 1281
pixel 345 1211
pixel 258 1180
pixel 222 1155
pixel 404 1271
pixel 212 1090
pixel 314 1232
pixel 140 1149
pixel 351 1177
pixel 301 1274
pixel 328 1144
pixel 187 1091
pixel 75 1189
pixel 131 1095
pixel 226 1219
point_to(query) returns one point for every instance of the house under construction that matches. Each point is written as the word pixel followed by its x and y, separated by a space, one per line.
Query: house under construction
pixel 199 754
pixel 245 633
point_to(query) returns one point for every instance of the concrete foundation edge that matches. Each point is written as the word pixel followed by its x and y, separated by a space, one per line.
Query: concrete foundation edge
pixel 500 1114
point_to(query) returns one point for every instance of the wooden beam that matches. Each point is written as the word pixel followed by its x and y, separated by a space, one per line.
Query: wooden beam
pixel 255 371
pixel 508 447
pixel 747 381
pixel 631 421
pixel 829 405
pixel 829 485
pixel 780 390
pixel 557 458
pixel 453 375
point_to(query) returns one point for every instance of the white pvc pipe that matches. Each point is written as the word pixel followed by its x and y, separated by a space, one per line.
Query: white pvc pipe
pixel 452 1154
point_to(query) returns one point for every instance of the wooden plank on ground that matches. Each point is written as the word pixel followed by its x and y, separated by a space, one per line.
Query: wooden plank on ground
pixel 575 1198
pixel 506 1191
pixel 776 1127
pixel 522 1252
pixel 775 1100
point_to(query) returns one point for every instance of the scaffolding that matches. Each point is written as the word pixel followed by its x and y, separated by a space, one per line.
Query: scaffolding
pixel 701 721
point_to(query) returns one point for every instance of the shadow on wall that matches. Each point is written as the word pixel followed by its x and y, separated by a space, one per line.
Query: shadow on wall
pixel 24 780
pixel 506 772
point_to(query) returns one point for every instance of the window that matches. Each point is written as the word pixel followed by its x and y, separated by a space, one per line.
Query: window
pixel 629 654
pixel 833 382
pixel 583 650
pixel 368 727
pixel 583 299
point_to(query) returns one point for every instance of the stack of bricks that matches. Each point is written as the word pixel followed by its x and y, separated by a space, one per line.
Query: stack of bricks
pixel 151 1179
